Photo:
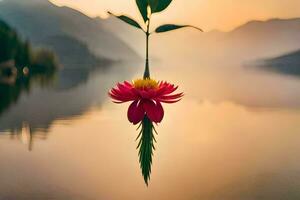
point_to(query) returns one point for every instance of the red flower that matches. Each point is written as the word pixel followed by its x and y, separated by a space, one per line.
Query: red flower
pixel 147 96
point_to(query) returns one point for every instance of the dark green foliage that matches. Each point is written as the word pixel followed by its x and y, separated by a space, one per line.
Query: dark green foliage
pixel 13 48
pixel 146 147
pixel 159 5
pixel 171 27
pixel 155 5
pixel 43 60
pixel 128 20
pixel 23 54
pixel 142 5
pixel 9 42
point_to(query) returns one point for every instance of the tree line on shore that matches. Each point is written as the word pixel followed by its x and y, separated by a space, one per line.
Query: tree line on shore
pixel 23 56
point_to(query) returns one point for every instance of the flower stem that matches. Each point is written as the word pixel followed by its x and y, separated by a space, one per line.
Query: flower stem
pixel 147 70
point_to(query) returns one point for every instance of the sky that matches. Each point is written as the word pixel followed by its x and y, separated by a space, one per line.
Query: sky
pixel 208 14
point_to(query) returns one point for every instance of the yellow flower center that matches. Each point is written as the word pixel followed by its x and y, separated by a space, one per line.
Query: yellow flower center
pixel 145 83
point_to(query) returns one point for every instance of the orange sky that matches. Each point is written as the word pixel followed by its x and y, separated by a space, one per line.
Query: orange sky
pixel 207 14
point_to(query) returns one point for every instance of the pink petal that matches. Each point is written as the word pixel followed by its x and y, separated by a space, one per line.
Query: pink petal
pixel 128 84
pixel 175 96
pixel 155 112
pixel 166 88
pixel 135 112
pixel 123 93
pixel 169 101
pixel 170 98
pixel 119 97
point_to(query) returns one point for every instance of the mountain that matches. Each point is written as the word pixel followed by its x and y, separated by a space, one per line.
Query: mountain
pixel 250 41
pixel 265 38
pixel 74 54
pixel 132 36
pixel 39 20
pixel 287 63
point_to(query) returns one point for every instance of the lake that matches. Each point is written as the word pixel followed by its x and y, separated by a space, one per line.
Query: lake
pixel 234 136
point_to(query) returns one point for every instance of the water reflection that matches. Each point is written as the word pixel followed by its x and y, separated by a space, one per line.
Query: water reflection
pixel 30 106
pixel 26 135
pixel 235 136
pixel 11 92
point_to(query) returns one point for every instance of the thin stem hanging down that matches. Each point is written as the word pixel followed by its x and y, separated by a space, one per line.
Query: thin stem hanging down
pixel 146 147
pixel 147 70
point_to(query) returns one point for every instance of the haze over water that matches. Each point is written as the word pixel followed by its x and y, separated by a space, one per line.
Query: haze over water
pixel 233 136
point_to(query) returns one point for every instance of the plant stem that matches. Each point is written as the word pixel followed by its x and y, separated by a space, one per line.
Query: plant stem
pixel 147 70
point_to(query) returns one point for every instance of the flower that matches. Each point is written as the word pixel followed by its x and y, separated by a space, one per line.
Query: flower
pixel 147 96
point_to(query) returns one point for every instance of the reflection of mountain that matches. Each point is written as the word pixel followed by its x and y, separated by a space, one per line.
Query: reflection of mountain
pixel 82 45
pixel 288 63
pixel 43 105
pixel 40 106
pixel 39 20
pixel 71 78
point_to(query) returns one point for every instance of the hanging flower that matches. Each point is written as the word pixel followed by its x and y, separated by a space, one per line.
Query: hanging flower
pixel 146 96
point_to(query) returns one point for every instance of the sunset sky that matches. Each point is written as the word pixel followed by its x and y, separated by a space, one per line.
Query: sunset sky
pixel 207 14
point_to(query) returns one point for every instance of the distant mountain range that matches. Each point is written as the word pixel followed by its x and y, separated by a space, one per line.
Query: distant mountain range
pixel 133 37
pixel 46 24
pixel 287 64
pixel 265 38
pixel 251 41
pixel 276 41
pixel 269 41
pixel 74 54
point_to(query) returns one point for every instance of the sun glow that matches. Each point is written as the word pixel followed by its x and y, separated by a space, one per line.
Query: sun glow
pixel 212 14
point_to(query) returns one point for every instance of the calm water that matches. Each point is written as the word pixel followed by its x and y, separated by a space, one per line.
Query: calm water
pixel 234 136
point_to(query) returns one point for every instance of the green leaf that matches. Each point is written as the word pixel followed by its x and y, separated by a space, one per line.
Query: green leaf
pixel 159 5
pixel 146 147
pixel 142 5
pixel 128 20
pixel 171 27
